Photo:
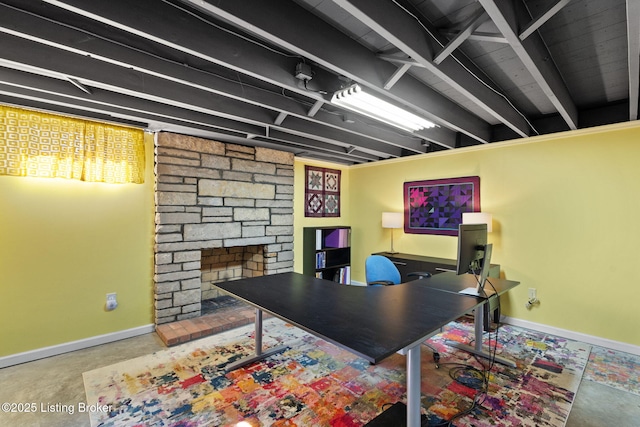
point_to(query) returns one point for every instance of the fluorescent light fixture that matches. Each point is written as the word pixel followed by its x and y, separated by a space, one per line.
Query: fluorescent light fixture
pixel 355 99
pixel 478 218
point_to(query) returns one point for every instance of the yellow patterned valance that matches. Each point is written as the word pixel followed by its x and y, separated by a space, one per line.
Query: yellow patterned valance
pixel 49 146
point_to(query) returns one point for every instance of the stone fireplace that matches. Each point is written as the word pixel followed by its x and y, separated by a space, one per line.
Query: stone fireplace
pixel 222 264
pixel 223 211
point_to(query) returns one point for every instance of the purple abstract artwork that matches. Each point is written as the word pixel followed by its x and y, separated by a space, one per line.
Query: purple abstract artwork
pixel 436 206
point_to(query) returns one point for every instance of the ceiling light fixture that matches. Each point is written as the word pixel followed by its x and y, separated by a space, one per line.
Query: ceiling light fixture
pixel 355 99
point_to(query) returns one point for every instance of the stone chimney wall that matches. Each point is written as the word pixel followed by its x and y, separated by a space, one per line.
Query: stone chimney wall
pixel 208 195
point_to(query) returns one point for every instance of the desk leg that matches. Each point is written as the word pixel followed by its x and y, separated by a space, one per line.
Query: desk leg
pixel 478 320
pixel 413 386
pixel 260 353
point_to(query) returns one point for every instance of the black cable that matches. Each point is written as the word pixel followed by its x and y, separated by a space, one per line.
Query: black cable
pixel 323 92
pixel 468 375
pixel 482 375
pixel 456 372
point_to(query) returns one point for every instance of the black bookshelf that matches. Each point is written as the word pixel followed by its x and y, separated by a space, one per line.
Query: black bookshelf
pixel 327 253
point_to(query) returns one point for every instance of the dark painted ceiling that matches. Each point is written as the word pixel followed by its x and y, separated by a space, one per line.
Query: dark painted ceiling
pixel 483 71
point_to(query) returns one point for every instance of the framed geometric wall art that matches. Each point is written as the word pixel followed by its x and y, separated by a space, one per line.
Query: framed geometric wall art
pixel 436 206
pixel 321 192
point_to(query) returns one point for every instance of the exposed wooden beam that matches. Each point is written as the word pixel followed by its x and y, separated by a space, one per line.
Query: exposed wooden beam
pixel 534 55
pixel 480 36
pixel 472 23
pixel 153 90
pixel 396 76
pixel 46 32
pixel 400 29
pixel 336 51
pixel 278 121
pixel 633 42
pixel 542 18
pixel 402 60
pixel 210 43
pixel 29 89
pixel 315 108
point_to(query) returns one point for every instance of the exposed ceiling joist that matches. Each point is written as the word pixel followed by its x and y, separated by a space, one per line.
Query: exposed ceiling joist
pixel 400 58
pixel 474 22
pixel 544 17
pixel 262 72
pixel 633 42
pixel 480 36
pixel 70 40
pixel 403 68
pixel 326 150
pixel 315 108
pixel 278 121
pixel 127 102
pixel 401 29
pixel 342 55
pixel 534 55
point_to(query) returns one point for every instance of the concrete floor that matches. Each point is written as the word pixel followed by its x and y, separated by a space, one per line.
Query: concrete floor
pixel 58 380
pixel 601 405
pixel 55 384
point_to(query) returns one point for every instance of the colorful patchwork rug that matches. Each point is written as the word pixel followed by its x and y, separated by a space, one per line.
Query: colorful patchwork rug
pixel 315 383
pixel 614 368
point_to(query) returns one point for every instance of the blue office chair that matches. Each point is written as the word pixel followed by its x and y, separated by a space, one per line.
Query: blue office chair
pixel 380 271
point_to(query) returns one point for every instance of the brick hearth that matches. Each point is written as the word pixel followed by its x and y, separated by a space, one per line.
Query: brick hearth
pixel 182 331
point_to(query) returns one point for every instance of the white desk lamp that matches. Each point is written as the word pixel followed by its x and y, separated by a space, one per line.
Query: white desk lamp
pixel 478 218
pixel 392 220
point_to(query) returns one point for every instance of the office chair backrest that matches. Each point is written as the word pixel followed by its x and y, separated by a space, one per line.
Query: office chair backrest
pixel 380 269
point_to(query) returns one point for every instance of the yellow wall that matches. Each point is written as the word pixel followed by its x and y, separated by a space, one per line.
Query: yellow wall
pixel 300 221
pixel 64 245
pixel 566 222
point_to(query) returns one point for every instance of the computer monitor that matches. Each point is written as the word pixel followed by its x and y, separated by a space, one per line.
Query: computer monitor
pixel 472 239
pixel 474 256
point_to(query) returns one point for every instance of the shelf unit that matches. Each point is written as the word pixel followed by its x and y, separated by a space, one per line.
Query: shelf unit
pixel 327 253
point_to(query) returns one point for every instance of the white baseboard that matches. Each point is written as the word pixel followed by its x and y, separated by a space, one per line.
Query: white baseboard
pixel 576 336
pixel 41 353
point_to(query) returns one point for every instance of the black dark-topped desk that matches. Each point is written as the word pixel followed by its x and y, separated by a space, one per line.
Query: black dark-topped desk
pixel 372 322
pixel 409 263
pixel 453 283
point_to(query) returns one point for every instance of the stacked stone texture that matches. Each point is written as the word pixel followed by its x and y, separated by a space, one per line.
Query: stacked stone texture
pixel 211 194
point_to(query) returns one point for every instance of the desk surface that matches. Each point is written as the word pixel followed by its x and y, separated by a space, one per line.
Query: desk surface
pixel 451 282
pixel 371 321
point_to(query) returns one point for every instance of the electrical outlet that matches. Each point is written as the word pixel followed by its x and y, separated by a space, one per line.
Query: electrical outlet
pixel 112 302
pixel 532 294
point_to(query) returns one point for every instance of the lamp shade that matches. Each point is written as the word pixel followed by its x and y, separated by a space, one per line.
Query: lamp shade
pixel 478 218
pixel 391 219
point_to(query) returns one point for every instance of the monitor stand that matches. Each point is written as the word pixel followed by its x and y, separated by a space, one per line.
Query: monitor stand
pixel 477 348
pixel 478 313
pixel 480 290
